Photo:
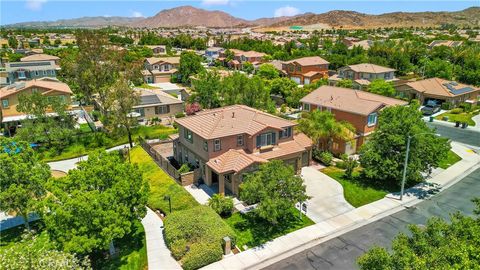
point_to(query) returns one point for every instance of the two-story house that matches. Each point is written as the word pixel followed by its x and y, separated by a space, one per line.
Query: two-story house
pixel 226 143
pixel 213 53
pixel 9 97
pixel 363 74
pixel 40 57
pixel 240 57
pixel 160 69
pixel 360 108
pixel 306 70
pixel 24 71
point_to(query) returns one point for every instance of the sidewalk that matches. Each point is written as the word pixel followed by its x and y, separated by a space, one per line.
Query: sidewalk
pixel 297 241
pixel 157 252
pixel 68 164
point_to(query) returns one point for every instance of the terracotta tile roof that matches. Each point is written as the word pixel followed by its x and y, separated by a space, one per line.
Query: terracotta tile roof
pixel 309 61
pixel 39 57
pixel 311 73
pixel 236 160
pixel 231 120
pixel 349 100
pixel 153 97
pixel 50 85
pixel 440 87
pixel 370 68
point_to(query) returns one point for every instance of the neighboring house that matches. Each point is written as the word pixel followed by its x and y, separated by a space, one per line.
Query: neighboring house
pixel 40 57
pixel 440 90
pixel 24 71
pixel 365 44
pixel 306 70
pixel 363 74
pixel 226 143
pixel 360 108
pixel 46 86
pixel 158 49
pixel 448 43
pixel 160 69
pixel 213 53
pixel 349 41
pixel 241 57
pixel 156 103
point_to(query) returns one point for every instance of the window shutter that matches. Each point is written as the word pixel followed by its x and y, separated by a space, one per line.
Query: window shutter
pixel 289 131
pixel 258 141
pixel 273 138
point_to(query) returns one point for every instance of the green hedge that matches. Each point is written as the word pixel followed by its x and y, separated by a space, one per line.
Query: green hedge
pixel 195 236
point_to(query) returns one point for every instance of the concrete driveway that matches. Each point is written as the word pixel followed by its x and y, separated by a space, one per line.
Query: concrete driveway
pixel 327 196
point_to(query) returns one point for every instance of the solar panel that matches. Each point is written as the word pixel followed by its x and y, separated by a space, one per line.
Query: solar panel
pixel 150 99
pixel 461 90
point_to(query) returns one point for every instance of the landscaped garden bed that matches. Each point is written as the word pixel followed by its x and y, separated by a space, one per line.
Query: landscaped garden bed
pixel 460 115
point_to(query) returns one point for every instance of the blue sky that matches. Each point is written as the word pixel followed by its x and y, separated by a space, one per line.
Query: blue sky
pixel 13 11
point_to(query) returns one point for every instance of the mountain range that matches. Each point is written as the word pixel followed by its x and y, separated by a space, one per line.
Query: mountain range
pixel 190 16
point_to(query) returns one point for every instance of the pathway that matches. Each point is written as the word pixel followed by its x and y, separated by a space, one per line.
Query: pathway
pixel 326 194
pixel 157 252
pixel 68 164
pixel 297 241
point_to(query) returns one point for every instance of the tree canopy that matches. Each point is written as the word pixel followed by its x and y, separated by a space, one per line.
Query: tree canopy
pixel 381 87
pixel 382 157
pixel 190 64
pixel 276 189
pixel 95 203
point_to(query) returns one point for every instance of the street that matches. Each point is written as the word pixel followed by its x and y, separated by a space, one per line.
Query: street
pixel 465 136
pixel 342 252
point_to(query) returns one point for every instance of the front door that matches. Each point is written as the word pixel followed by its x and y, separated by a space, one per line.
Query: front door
pixel 214 178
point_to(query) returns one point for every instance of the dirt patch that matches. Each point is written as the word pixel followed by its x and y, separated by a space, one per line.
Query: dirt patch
pixel 58 174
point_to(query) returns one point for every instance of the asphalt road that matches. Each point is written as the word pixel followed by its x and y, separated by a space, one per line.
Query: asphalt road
pixel 466 136
pixel 342 252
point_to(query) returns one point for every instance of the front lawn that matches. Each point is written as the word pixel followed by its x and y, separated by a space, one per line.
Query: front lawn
pixel 464 117
pixel 89 142
pixel 355 191
pixel 253 231
pixel 451 159
pixel 161 184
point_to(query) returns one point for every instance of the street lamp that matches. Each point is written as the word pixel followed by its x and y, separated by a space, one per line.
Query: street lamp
pixel 166 197
pixel 409 138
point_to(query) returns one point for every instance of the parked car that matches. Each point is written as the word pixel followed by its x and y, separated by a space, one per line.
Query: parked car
pixel 431 107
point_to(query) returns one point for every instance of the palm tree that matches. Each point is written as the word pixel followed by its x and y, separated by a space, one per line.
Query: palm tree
pixel 322 125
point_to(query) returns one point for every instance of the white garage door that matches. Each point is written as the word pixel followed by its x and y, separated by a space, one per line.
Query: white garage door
pixel 296 79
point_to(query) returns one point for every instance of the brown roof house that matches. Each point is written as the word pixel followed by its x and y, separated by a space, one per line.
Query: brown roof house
pixel 360 108
pixel 41 57
pixel 156 103
pixel 226 143
pixel 440 90
pixel 240 57
pixel 363 74
pixel 306 70
pixel 46 86
pixel 160 69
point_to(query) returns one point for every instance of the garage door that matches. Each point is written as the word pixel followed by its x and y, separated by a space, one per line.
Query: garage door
pixel 306 81
pixel 296 79
pixel 159 79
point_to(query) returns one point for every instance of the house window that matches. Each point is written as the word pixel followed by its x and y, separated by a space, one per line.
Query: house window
pixel 299 68
pixel 155 66
pixel 266 139
pixel 239 140
pixel 292 68
pixel 205 146
pixel 285 133
pixel 5 103
pixel 335 146
pixel 306 107
pixel 21 74
pixel 141 111
pixel 228 178
pixel 188 135
pixel 162 109
pixel 216 145
pixel 36 72
pixel 372 119
pixel 34 90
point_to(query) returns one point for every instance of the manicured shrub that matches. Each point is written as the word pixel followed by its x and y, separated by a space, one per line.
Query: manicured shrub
pixel 341 165
pixel 221 204
pixel 179 115
pixel 344 157
pixel 184 168
pixel 350 165
pixel 324 157
pixel 467 107
pixel 201 254
pixel 446 106
pixel 195 236
pixel 456 111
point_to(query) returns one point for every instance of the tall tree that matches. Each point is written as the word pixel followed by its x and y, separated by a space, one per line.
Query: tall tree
pixel 381 87
pixel 22 178
pixel 322 125
pixel 122 99
pixel 190 64
pixel 95 203
pixel 275 188
pixel 207 87
pixel 267 71
pixel 382 157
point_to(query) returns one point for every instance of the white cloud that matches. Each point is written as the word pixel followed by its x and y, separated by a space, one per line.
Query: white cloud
pixel 35 5
pixel 215 2
pixel 286 11
pixel 137 14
